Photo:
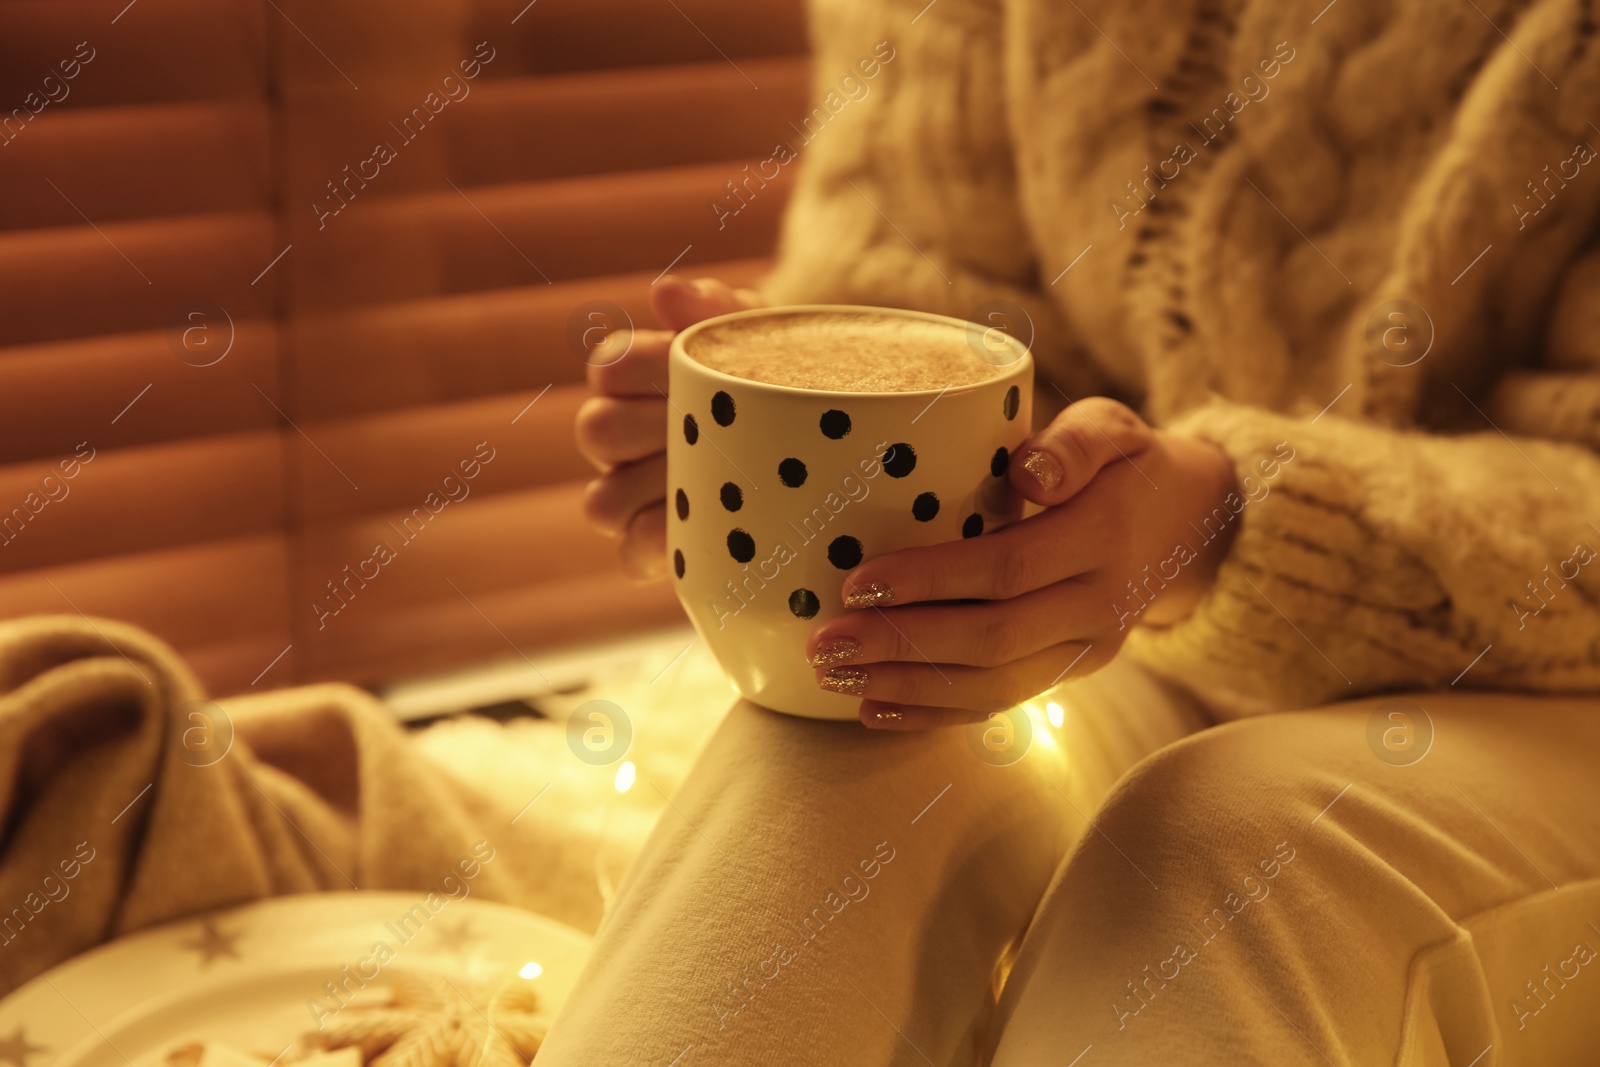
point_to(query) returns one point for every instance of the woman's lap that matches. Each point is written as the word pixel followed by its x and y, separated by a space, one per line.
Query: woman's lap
pixel 819 895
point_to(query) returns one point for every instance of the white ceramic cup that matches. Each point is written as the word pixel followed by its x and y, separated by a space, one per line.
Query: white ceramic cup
pixel 775 493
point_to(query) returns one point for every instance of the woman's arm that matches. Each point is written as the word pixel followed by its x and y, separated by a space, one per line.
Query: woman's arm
pixel 1371 560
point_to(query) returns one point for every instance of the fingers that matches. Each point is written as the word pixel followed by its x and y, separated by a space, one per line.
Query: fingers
pixel 949 685
pixel 679 304
pixel 612 430
pixel 877 714
pixel 641 368
pixel 1058 461
pixel 1025 556
pixel 634 361
pixel 613 499
pixel 622 429
pixel 644 544
pixel 641 371
pixel 989 634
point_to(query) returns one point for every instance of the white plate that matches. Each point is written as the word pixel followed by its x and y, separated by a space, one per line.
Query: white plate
pixel 247 977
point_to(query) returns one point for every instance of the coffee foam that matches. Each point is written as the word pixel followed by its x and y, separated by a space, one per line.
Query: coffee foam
pixel 845 351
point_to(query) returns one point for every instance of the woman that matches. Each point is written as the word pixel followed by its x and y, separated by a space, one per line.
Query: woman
pixel 1340 263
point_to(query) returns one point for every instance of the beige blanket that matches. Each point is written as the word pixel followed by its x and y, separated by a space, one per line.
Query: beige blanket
pixel 126 803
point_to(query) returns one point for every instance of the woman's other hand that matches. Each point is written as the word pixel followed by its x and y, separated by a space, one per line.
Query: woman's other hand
pixel 1136 522
pixel 622 428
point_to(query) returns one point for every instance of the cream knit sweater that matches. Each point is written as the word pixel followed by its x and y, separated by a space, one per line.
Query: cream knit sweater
pixel 1207 207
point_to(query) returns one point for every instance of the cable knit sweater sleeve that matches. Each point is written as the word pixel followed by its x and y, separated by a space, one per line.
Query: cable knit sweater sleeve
pixel 1368 560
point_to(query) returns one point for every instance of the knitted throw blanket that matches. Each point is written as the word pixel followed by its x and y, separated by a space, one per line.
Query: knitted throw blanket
pixel 129 800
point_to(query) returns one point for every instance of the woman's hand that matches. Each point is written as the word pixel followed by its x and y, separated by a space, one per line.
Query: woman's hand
pixel 622 429
pixel 1134 529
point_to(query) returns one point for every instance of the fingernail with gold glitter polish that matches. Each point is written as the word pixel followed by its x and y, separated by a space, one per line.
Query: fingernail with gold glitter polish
pixel 1044 467
pixel 871 595
pixel 884 718
pixel 851 681
pixel 835 650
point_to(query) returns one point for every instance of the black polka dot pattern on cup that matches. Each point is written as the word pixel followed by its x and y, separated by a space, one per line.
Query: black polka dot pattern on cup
pixel 677 561
pixel 997 465
pixel 973 526
pixel 900 460
pixel 741 546
pixel 792 472
pixel 925 507
pixel 835 424
pixel 722 408
pixel 683 504
pixel 804 603
pixel 1013 402
pixel 844 552
pixel 732 496
pixel 691 429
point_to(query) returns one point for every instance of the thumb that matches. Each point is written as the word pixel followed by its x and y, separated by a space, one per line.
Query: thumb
pixel 1057 462
pixel 678 303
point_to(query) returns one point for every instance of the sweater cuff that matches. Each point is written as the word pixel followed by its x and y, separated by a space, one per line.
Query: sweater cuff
pixel 1314 603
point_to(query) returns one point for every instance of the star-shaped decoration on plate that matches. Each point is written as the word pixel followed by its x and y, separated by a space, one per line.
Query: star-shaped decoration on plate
pixel 454 939
pixel 212 943
pixel 16 1050
pixel 431 1021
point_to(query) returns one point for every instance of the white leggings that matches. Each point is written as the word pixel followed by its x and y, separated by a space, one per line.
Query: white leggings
pixel 1265 891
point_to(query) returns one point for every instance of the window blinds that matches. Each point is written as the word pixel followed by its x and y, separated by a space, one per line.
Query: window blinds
pixel 284 370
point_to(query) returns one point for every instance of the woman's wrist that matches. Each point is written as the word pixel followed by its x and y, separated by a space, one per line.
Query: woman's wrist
pixel 1204 525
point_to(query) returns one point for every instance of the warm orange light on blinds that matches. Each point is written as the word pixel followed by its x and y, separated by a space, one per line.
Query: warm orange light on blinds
pixel 273 372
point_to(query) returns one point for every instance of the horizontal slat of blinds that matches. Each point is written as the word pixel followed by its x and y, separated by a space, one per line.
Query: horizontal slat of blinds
pixel 457 347
pixel 482 544
pixel 497 625
pixel 156 50
pixel 139 499
pixel 137 380
pixel 531 129
pixel 170 159
pixel 515 235
pixel 224 604
pixel 510 550
pixel 398 458
pixel 624 120
pixel 562 35
pixel 129 276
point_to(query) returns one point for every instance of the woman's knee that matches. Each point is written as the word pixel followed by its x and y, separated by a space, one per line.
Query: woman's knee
pixel 1224 807
pixel 1194 870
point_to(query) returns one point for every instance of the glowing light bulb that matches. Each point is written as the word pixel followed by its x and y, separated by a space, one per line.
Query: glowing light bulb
pixel 531 970
pixel 1056 715
pixel 626 774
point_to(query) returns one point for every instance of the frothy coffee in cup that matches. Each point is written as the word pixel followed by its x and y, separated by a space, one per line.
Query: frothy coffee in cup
pixel 848 352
